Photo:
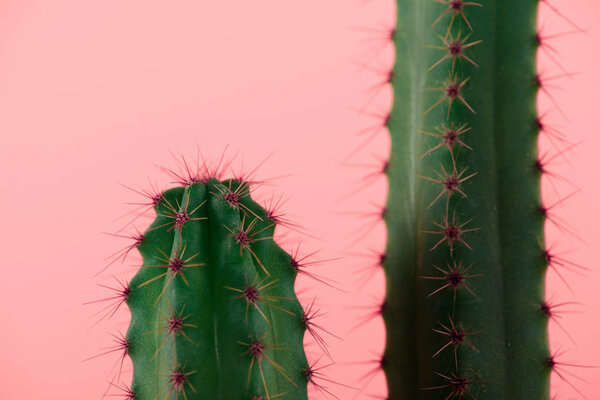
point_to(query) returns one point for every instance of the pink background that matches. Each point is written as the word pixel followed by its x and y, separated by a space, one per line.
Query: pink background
pixel 94 93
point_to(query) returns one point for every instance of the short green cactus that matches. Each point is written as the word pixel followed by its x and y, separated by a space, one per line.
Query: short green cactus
pixel 465 260
pixel 214 314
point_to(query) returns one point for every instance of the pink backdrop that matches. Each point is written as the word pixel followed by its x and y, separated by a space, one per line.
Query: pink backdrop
pixel 95 93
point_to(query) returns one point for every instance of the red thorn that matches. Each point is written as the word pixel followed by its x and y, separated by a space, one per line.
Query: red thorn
pixel 120 296
pixel 314 374
pixel 137 239
pixel 121 346
pixel 301 264
pixel 127 393
pixel 310 313
pixel 458 384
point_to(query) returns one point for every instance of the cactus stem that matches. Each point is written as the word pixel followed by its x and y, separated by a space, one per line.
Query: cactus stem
pixel 203 223
pixel 455 277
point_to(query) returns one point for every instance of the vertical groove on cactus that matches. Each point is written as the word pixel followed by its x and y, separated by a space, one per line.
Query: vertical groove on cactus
pixel 463 263
pixel 214 312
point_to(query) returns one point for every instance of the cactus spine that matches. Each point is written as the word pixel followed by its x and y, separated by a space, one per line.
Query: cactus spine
pixel 465 259
pixel 213 307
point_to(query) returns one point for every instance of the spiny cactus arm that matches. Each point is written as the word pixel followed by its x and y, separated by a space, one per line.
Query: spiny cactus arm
pixel 491 84
pixel 197 330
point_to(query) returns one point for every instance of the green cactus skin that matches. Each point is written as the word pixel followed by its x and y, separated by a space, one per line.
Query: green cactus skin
pixel 464 309
pixel 214 314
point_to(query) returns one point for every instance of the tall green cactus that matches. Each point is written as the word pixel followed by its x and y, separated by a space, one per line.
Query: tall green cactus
pixel 465 259
pixel 214 314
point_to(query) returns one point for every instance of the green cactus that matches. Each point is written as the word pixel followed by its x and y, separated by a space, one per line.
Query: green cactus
pixel 214 314
pixel 465 260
